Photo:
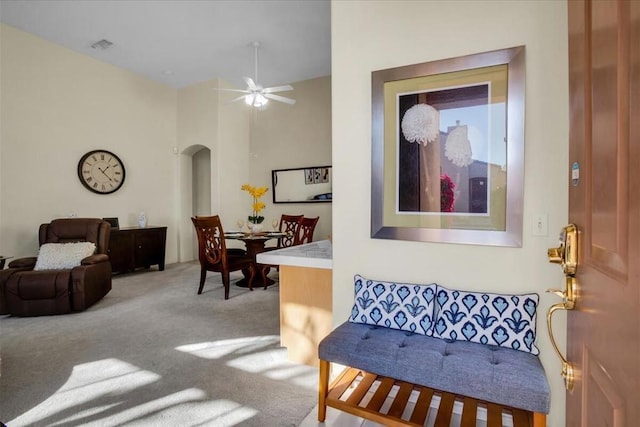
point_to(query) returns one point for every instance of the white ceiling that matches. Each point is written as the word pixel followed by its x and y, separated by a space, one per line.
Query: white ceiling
pixel 182 42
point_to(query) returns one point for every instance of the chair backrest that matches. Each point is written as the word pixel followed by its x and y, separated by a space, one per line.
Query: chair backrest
pixel 305 231
pixel 211 244
pixel 288 224
pixel 68 230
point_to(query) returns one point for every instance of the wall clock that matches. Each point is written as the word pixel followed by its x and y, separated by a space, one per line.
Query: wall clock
pixel 101 171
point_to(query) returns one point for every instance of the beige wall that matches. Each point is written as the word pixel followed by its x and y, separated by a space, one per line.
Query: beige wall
pixel 1 180
pixel 205 120
pixel 284 137
pixel 57 105
pixel 197 123
pixel 368 36
pixel 246 144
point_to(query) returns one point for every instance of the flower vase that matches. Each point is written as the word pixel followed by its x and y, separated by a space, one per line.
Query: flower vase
pixel 254 228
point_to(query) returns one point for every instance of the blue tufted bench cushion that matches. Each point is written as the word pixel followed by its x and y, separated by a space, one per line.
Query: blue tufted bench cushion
pixel 486 372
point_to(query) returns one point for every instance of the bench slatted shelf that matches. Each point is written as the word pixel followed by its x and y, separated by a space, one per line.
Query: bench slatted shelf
pixel 349 390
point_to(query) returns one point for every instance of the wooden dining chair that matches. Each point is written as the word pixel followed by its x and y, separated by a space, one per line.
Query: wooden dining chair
pixel 303 234
pixel 305 231
pixel 214 256
pixel 289 224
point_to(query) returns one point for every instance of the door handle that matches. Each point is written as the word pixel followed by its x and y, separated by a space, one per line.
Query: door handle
pixel 568 303
pixel 566 254
pixel 568 295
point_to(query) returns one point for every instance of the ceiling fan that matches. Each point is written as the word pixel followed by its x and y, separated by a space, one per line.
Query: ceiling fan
pixel 255 95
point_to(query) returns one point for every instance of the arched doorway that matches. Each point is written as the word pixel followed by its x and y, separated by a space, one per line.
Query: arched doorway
pixel 195 196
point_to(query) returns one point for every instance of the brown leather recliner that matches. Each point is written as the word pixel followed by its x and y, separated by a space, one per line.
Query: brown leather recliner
pixel 46 292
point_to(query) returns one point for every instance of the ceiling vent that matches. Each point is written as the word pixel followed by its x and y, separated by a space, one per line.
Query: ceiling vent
pixel 102 45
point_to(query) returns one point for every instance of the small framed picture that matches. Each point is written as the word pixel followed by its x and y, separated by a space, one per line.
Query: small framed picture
pixel 324 175
pixel 309 176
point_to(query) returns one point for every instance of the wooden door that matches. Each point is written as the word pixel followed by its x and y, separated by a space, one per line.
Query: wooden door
pixel 604 328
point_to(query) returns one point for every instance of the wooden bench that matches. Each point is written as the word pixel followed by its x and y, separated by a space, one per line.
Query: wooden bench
pixel 348 391
pixel 402 378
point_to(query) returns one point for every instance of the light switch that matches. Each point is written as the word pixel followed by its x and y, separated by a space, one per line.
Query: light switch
pixel 540 225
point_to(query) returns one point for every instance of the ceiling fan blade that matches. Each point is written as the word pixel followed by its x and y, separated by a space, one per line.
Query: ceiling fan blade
pixel 250 83
pixel 222 89
pixel 240 98
pixel 277 89
pixel 280 98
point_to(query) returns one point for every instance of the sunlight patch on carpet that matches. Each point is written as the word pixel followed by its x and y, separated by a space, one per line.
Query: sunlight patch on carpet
pixel 91 412
pixel 256 355
pixel 90 382
pixel 222 348
pixel 277 368
pixel 170 411
pixel 300 375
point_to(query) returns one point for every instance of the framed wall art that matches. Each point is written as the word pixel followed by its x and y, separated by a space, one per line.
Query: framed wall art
pixel 448 150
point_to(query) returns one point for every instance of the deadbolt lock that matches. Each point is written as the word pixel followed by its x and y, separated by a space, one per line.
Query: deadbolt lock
pixel 567 253
pixel 554 255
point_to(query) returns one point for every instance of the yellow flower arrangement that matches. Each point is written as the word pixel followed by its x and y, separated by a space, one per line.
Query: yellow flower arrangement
pixel 258 206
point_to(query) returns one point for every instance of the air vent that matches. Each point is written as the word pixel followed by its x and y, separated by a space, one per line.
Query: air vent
pixel 102 45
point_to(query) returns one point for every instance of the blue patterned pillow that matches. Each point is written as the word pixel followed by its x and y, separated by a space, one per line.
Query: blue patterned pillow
pixel 394 305
pixel 503 320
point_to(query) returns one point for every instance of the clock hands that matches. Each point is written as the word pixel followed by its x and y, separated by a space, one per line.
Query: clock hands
pixel 103 173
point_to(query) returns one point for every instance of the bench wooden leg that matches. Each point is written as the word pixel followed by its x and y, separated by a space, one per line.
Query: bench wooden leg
pixel 323 387
pixel 539 420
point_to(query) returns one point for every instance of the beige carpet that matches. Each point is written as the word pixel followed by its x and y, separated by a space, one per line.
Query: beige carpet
pixel 151 353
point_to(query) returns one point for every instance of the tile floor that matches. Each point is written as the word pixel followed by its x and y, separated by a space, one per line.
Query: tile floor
pixel 336 418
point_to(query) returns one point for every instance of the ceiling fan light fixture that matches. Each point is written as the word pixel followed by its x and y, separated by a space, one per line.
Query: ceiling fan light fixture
pixel 257 95
pixel 260 101
pixel 256 100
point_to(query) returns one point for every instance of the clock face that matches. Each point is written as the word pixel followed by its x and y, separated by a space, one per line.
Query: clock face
pixel 101 171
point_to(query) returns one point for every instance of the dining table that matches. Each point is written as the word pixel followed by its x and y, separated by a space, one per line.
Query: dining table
pixel 255 243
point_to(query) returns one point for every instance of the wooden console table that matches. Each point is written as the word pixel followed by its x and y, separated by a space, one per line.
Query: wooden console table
pixel 133 247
